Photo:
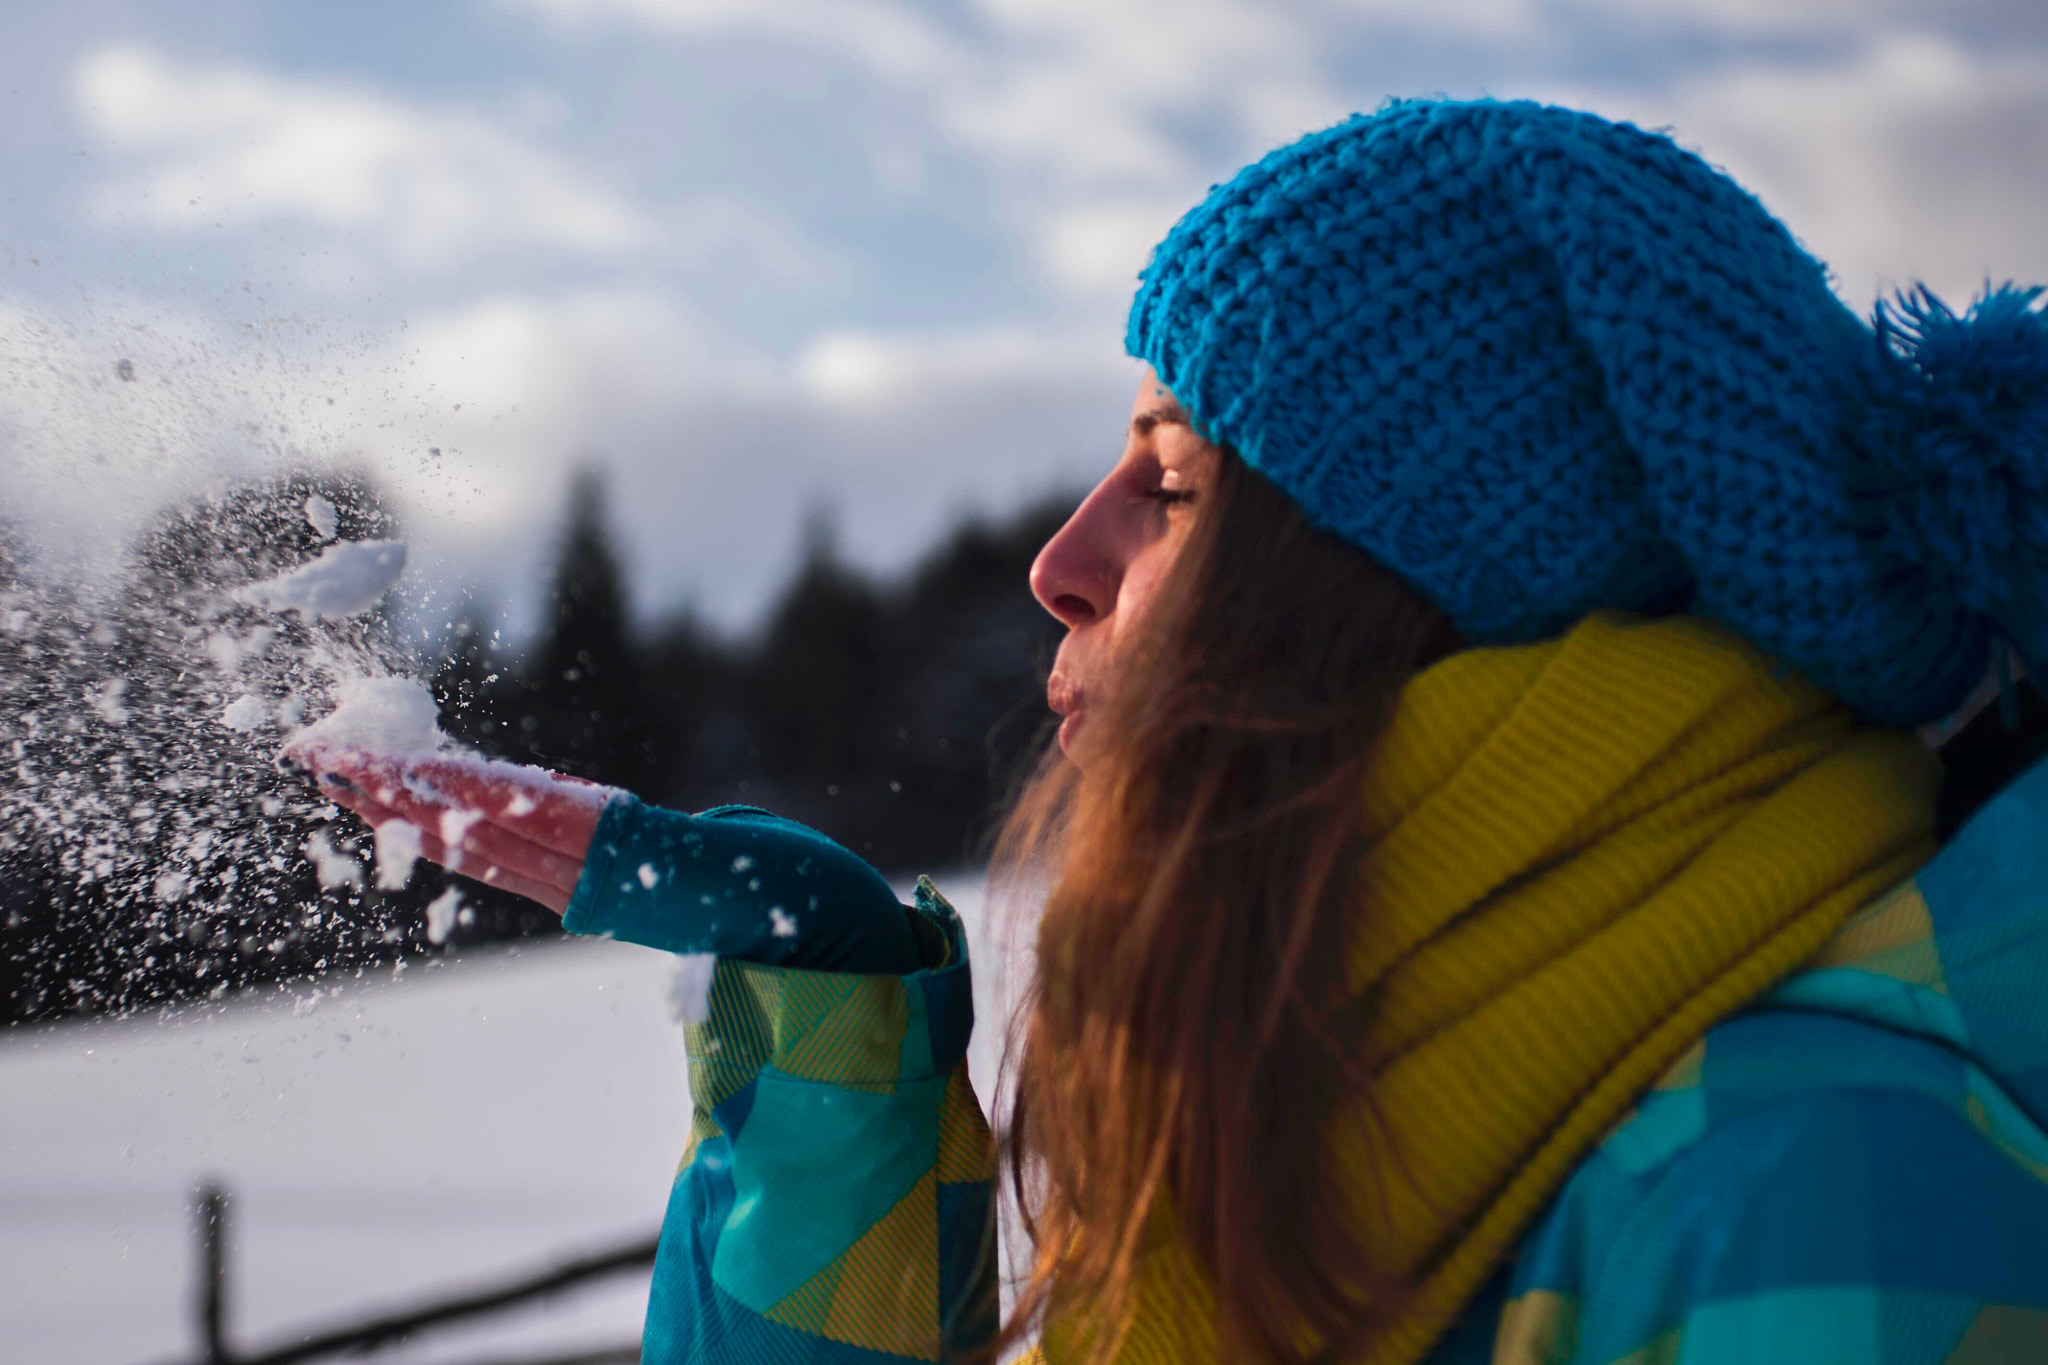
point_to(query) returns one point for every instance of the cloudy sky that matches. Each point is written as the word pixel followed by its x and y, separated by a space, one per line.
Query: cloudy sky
pixel 755 256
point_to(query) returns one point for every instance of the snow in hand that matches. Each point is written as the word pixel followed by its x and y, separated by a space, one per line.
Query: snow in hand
pixel 398 848
pixel 397 720
pixel 346 579
pixel 394 716
pixel 393 723
pixel 389 716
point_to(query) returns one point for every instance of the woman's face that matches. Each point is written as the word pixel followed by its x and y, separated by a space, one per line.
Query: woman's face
pixel 1098 574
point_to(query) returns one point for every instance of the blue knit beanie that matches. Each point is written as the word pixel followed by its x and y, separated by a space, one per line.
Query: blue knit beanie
pixel 1538 363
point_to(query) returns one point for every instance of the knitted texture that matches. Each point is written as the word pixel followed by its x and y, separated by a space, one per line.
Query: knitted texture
pixel 1538 363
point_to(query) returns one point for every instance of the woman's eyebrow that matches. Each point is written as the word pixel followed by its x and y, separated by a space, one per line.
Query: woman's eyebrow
pixel 1166 414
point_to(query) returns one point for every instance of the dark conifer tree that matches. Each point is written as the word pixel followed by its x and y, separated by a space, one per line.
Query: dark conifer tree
pixel 585 709
pixel 697 715
pixel 969 698
pixel 822 667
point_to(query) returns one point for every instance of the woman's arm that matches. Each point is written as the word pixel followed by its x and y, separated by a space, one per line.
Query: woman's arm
pixel 741 883
pixel 736 881
pixel 835 1201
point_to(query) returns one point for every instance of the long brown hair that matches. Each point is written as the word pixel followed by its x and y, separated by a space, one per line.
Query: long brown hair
pixel 1189 1030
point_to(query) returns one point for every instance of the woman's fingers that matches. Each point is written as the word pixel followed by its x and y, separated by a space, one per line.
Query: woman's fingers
pixel 554 898
pixel 470 843
pixel 544 808
pixel 523 829
pixel 357 785
pixel 557 813
pixel 514 875
pixel 462 829
pixel 502 848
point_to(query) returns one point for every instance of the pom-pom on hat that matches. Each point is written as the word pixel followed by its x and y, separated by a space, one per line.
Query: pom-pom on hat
pixel 1538 363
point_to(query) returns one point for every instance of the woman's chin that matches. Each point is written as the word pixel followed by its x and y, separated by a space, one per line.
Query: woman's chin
pixel 1070 725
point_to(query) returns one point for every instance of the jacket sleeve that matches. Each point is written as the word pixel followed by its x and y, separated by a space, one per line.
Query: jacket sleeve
pixel 741 883
pixel 835 1202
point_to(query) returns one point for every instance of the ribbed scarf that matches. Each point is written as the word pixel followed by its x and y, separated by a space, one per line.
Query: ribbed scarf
pixel 1588 852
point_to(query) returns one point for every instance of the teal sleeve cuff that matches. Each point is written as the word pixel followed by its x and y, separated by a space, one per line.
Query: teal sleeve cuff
pixel 741 883
pixel 588 904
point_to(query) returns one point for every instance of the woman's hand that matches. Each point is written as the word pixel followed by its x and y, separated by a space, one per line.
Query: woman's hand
pixel 735 881
pixel 523 829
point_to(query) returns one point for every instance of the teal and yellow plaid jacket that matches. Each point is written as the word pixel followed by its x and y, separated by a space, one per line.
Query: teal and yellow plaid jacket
pixel 1852 1171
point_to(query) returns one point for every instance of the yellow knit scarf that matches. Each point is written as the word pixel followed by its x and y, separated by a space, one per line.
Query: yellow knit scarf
pixel 1593 849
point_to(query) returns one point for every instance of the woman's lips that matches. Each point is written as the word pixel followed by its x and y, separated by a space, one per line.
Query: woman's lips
pixel 1062 695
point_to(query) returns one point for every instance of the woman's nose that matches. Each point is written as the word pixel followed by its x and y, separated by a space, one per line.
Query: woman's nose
pixel 1074 576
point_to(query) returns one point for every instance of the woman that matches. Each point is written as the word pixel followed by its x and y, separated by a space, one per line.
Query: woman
pixel 1495 909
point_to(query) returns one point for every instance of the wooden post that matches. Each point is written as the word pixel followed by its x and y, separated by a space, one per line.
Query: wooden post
pixel 213 1237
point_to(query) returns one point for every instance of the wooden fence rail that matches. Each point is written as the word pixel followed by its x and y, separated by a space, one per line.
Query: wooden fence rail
pixel 377 1330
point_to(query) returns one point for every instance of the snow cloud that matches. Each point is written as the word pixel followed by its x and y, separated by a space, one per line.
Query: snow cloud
pixel 113 404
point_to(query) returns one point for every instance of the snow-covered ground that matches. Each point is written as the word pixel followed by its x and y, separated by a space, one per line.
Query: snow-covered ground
pixel 384 1141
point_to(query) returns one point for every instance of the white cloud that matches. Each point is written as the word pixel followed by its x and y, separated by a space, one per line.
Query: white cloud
pixel 1092 123
pixel 891 39
pixel 199 145
pixel 1076 107
pixel 1893 149
pixel 1082 108
pixel 1088 86
pixel 852 371
pixel 1474 19
pixel 1097 248
pixel 1910 157
pixel 1785 18
pixel 1740 16
pixel 509 390
pixel 715 451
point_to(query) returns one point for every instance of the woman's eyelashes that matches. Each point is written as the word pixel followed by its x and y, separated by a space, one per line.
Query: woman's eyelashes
pixel 1169 496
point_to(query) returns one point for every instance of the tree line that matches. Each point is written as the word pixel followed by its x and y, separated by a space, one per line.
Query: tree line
pixel 149 853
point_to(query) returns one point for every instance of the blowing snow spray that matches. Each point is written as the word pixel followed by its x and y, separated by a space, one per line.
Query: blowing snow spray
pixel 144 817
